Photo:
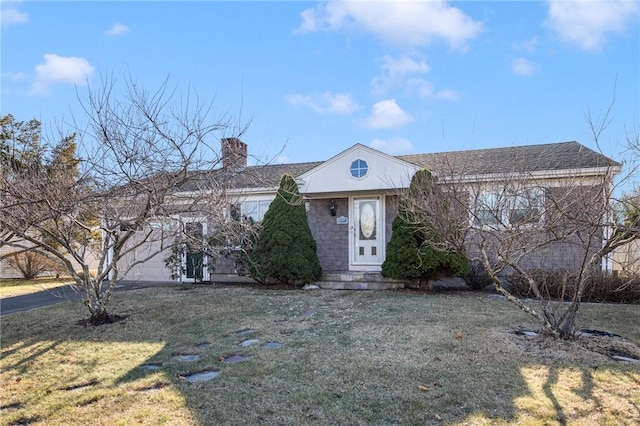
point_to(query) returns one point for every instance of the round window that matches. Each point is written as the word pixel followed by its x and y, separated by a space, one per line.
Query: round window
pixel 359 169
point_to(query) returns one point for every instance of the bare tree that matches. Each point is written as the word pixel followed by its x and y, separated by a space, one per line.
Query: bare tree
pixel 31 264
pixel 522 224
pixel 145 160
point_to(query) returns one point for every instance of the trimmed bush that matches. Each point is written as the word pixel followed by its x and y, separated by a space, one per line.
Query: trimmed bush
pixel 402 260
pixel 409 256
pixel 285 250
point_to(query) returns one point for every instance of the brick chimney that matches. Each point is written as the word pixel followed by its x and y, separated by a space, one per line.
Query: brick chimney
pixel 234 154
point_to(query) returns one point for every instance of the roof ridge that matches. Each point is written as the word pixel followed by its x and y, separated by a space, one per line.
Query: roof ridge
pixel 476 150
pixel 286 164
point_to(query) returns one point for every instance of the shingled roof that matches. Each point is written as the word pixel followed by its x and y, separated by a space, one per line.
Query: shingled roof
pixel 528 158
pixel 251 177
pixel 267 176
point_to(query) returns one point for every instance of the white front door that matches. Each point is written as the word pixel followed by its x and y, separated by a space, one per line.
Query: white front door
pixel 367 234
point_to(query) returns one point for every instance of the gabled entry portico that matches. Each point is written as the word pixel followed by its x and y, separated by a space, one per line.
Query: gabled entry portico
pixel 355 184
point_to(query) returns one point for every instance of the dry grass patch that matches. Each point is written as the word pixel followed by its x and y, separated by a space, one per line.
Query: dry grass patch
pixel 19 287
pixel 347 358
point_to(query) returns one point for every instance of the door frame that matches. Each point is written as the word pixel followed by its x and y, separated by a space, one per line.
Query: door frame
pixel 205 258
pixel 381 233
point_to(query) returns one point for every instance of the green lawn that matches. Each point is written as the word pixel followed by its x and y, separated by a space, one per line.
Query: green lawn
pixel 346 358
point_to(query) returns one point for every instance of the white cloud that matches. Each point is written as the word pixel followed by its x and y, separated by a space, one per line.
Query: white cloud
pixel 9 14
pixel 387 114
pixel 395 70
pixel 523 66
pixel 60 69
pixel 325 103
pixel 426 90
pixel 588 23
pixel 14 76
pixel 393 146
pixel 118 29
pixel 527 45
pixel 408 23
pixel 400 72
pixel 403 65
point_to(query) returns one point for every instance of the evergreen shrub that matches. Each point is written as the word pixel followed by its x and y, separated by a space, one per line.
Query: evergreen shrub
pixel 285 250
pixel 410 253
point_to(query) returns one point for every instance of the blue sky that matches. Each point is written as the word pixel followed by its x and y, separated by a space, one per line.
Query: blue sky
pixel 315 78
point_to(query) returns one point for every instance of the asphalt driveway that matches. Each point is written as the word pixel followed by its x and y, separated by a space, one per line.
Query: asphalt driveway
pixel 52 296
pixel 10 305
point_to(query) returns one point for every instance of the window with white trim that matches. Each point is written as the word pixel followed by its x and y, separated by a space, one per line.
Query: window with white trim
pixel 509 208
pixel 359 169
pixel 526 207
pixel 255 209
pixel 488 211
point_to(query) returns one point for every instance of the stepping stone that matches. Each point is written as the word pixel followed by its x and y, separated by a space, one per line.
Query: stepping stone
pixel 201 376
pixel 525 333
pixel 232 359
pixel 186 357
pixel 597 333
pixel 275 345
pixel 249 342
pixel 203 345
pixel 624 358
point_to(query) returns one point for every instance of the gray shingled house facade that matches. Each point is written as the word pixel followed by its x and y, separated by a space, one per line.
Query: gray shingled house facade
pixel 351 198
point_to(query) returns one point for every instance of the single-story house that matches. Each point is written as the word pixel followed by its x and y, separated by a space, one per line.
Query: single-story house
pixel 351 198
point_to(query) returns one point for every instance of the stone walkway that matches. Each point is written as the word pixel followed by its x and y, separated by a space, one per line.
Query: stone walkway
pixel 210 373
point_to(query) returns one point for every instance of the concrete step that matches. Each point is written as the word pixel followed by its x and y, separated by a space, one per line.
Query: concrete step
pixel 358 281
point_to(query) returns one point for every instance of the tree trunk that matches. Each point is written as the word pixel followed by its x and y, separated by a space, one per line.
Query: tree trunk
pixel 568 328
pixel 99 318
pixel 96 300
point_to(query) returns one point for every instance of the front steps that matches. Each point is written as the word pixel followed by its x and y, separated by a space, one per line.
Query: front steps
pixel 358 281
